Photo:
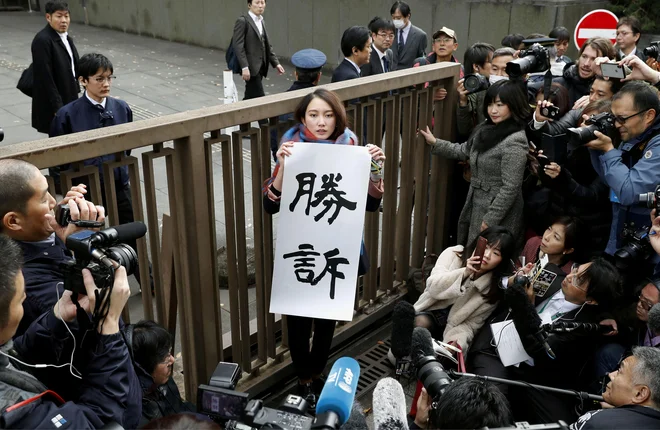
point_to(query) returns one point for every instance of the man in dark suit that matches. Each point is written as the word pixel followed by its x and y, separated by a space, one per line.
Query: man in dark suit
pixel 628 33
pixel 356 47
pixel 54 62
pixel 381 59
pixel 410 41
pixel 253 49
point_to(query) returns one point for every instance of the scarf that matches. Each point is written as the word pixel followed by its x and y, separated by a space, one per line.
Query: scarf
pixel 487 135
pixel 300 133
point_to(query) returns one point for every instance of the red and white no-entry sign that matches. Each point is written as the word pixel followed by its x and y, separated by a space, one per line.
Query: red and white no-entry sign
pixel 597 23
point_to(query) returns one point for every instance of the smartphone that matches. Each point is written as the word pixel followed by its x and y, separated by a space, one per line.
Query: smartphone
pixel 613 70
pixel 543 160
pixel 480 250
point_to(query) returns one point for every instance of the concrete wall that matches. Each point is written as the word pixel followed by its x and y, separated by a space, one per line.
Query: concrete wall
pixel 297 24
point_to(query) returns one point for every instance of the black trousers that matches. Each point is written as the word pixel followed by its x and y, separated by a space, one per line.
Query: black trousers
pixel 254 87
pixel 308 362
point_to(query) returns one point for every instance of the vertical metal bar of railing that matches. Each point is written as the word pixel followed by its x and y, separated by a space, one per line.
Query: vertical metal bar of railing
pixel 267 233
pixel 422 156
pixel 405 208
pixel 374 123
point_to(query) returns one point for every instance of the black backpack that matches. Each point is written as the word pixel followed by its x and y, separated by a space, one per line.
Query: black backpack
pixel 26 81
pixel 230 57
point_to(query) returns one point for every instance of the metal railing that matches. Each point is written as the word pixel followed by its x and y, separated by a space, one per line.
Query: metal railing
pixel 183 256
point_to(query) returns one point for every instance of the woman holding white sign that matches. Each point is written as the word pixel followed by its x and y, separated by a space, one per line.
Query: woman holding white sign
pixel 497 151
pixel 321 119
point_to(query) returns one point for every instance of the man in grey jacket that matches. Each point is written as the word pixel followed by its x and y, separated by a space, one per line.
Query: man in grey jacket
pixel 409 41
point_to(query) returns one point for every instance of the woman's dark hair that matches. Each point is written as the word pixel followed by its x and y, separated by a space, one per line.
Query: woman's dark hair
pixel 151 344
pixel 341 121
pixel 403 8
pixel 604 282
pixel 558 96
pixel 512 95
pixel 182 422
pixel 354 37
pixel 502 239
pixel 477 54
pixel 55 6
pixel 90 64
pixel 572 227
pixel 596 107
pixel 560 33
pixel 513 40
pixel 11 260
pixel 471 404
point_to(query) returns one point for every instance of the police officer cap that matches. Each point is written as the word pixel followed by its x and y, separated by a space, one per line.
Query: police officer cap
pixel 309 59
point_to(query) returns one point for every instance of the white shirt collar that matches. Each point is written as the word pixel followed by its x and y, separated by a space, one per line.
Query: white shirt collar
pixel 406 29
pixel 633 52
pixel 255 17
pixel 380 54
pixel 94 102
pixel 63 35
pixel 355 65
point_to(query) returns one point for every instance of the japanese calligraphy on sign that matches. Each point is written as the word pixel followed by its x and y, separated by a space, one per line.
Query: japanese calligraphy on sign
pixel 319 231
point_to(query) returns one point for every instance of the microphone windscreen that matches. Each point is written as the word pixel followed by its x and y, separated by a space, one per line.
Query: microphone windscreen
pixel 422 344
pixel 127 232
pixel 403 323
pixel 654 319
pixel 389 404
pixel 339 390
pixel 357 420
pixel 523 313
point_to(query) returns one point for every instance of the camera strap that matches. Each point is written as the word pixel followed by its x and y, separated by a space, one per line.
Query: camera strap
pixel 547 84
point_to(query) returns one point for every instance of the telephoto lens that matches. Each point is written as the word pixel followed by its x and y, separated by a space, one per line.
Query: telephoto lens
pixel 475 82
pixel 652 50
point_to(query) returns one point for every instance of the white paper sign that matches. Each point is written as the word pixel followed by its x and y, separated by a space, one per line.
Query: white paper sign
pixel 319 231
pixel 508 343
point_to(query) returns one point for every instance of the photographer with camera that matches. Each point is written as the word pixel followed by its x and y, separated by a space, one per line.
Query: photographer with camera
pixel 477 63
pixel 632 169
pixel 632 395
pixel 28 217
pixel 108 379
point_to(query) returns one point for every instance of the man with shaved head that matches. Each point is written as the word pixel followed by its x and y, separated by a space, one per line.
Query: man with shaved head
pixel 27 216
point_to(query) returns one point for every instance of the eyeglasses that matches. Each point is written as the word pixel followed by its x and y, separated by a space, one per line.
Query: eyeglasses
pixel 646 303
pixel 386 35
pixel 575 281
pixel 444 40
pixel 622 119
pixel 102 79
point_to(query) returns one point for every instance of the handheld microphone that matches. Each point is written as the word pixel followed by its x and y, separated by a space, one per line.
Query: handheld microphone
pixel 523 314
pixel 389 403
pixel 357 420
pixel 568 326
pixel 654 319
pixel 403 323
pixel 336 400
pixel 120 233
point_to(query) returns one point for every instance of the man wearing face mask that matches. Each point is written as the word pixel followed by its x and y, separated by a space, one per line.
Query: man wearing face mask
pixel 478 59
pixel 498 64
pixel 409 41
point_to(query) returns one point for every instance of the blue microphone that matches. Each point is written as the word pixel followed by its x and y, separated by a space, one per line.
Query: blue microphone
pixel 336 400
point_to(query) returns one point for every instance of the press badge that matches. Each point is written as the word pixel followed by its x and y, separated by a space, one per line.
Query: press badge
pixel 613 197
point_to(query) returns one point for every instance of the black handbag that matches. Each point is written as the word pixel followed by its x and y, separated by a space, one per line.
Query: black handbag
pixel 26 81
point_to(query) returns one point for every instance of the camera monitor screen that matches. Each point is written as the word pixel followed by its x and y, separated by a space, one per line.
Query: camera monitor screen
pixel 226 404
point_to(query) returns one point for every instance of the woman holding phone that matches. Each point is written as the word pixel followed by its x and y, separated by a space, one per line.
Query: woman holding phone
pixel 558 243
pixel 321 119
pixel 497 152
pixel 464 288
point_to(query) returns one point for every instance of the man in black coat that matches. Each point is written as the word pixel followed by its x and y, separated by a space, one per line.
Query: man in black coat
pixel 356 47
pixel 253 49
pixel 54 62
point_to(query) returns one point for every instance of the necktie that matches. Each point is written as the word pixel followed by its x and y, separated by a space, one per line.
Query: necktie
pixel 401 38
pixel 386 65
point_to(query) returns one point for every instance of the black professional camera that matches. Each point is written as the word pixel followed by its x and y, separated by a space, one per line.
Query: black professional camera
pixel 636 248
pixel 433 376
pixel 651 200
pixel 653 50
pixel 534 59
pixel 475 82
pixel 101 253
pixel 233 410
pixel 603 122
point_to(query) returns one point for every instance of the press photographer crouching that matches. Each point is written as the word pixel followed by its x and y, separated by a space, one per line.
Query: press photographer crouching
pixel 108 376
pixel 632 395
pixel 557 358
pixel 150 346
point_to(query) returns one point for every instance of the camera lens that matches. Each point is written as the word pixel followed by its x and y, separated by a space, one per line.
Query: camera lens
pixel 647 200
pixel 475 83
pixel 651 51
pixel 433 377
pixel 582 135
pixel 125 256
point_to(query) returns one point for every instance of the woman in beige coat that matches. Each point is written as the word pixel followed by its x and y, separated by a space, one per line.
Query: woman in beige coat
pixel 458 298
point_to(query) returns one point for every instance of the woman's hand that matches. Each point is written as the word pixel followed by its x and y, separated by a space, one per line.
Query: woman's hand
pixel 462 94
pixel 440 94
pixel 284 151
pixel 375 152
pixel 639 70
pixel 484 226
pixel 552 170
pixel 540 105
pixel 522 271
pixel 612 324
pixel 653 63
pixel 428 136
pixel 470 270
